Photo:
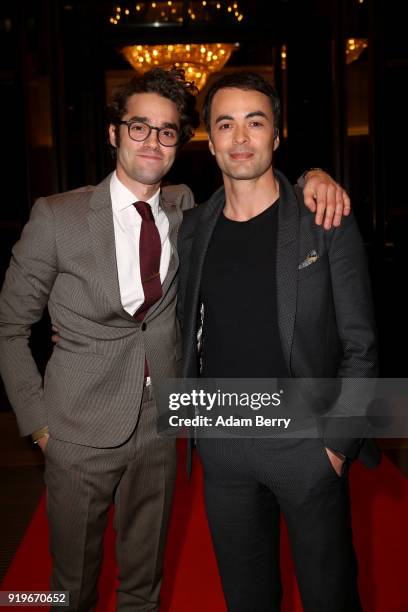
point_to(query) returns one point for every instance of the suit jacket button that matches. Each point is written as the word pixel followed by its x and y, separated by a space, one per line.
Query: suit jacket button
pixel 144 326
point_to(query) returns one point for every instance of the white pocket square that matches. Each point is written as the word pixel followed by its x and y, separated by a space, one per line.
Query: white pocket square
pixel 311 258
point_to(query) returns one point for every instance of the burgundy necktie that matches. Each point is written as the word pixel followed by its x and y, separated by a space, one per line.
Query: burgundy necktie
pixel 149 257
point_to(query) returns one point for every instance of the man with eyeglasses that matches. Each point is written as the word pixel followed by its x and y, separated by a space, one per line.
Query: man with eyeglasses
pixel 104 261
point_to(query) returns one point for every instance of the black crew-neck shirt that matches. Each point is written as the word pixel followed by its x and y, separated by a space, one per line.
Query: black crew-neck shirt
pixel 238 289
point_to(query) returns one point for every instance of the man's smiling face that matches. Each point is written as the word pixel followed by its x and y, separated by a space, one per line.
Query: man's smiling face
pixel 242 133
pixel 148 161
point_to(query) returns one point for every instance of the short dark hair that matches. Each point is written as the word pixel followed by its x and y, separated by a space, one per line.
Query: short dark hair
pixel 247 81
pixel 168 83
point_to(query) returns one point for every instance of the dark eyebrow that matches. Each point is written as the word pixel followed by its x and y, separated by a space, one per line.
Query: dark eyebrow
pixel 223 118
pixel 138 118
pixel 166 124
pixel 170 125
pixel 257 113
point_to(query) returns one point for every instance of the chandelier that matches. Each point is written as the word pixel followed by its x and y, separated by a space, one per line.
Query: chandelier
pixel 198 60
pixel 166 12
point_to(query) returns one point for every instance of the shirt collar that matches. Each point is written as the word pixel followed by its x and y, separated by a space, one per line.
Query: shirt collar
pixel 123 198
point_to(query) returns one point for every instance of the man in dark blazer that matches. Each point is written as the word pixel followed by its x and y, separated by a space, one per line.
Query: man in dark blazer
pixel 84 255
pixel 271 294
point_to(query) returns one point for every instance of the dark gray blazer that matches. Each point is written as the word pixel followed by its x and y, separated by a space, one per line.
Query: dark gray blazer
pixel 325 309
pixel 66 260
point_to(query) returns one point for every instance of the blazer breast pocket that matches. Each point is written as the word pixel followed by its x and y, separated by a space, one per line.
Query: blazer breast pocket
pixel 319 265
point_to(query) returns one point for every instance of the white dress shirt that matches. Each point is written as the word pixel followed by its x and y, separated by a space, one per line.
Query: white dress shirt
pixel 127 223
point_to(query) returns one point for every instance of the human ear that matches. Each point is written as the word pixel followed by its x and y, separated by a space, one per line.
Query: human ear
pixel 112 135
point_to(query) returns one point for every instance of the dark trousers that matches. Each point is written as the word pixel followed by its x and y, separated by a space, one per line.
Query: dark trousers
pixel 248 482
pixel 82 482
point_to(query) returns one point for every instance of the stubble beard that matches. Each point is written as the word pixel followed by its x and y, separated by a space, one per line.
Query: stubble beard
pixel 136 172
pixel 247 174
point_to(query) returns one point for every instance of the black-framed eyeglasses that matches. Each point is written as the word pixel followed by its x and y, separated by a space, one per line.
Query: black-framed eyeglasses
pixel 139 131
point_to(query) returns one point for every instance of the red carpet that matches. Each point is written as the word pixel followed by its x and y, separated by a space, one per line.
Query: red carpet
pixel 380 513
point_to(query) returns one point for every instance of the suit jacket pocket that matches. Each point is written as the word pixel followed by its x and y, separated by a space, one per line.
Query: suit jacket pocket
pixel 81 362
pixel 320 265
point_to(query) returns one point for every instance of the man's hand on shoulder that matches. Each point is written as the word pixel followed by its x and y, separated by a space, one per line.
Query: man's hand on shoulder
pixel 326 198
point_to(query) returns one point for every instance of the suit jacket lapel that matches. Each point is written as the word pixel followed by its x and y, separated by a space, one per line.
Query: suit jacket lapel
pixel 100 220
pixel 210 211
pixel 175 217
pixel 287 258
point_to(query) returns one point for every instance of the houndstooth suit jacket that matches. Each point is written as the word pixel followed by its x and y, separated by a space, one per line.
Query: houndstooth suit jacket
pixel 66 260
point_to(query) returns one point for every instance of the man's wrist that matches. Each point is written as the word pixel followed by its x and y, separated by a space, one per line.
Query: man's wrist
pixel 44 432
pixel 310 170
pixel 303 177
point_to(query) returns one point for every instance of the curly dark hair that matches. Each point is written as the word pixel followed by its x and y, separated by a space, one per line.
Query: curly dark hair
pixel 246 81
pixel 168 83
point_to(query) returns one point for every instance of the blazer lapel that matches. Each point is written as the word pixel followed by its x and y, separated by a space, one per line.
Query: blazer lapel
pixel 286 263
pixel 100 220
pixel 287 258
pixel 211 210
pixel 175 217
